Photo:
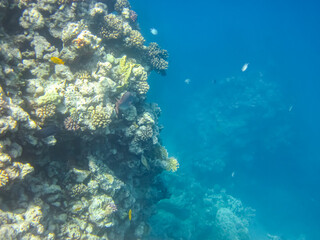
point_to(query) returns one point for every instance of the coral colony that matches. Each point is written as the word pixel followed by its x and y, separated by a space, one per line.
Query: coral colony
pixel 79 144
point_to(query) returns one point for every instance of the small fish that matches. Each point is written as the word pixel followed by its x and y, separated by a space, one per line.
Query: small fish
pixel 57 60
pixel 232 174
pixel 47 131
pixel 124 102
pixel 244 67
pixel 145 162
pixel 154 31
pixel 129 214
pixel 187 81
pixel 290 108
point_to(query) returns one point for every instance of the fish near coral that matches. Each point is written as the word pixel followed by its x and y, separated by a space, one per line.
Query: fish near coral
pixel 124 102
pixel 47 131
pixel 57 60
pixel 130 214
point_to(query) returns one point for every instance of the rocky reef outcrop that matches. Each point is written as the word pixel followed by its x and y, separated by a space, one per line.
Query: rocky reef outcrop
pixel 79 144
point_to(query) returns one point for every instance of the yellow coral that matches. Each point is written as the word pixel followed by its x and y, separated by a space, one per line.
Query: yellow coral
pixel 4 178
pixel 83 75
pixel 172 164
pixel 124 71
pixel 50 97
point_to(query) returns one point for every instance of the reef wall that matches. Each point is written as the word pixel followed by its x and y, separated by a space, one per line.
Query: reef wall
pixel 79 144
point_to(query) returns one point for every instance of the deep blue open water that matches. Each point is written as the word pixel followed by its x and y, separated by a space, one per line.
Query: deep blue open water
pixel 254 133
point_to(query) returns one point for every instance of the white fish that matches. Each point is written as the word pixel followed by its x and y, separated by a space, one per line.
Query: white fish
pixel 232 174
pixel 187 81
pixel 244 67
pixel 154 31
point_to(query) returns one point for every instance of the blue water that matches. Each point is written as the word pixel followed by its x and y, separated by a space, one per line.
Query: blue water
pixel 255 133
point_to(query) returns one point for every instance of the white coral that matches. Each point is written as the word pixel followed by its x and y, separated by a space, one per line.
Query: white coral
pixel 31 19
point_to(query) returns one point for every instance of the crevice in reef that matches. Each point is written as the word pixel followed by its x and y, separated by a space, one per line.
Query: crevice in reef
pixel 10 22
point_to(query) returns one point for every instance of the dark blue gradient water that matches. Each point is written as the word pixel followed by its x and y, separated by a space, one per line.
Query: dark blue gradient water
pixel 255 133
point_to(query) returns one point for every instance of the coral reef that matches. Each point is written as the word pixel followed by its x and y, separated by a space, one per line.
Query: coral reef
pixel 224 217
pixel 135 39
pixel 113 28
pixel 121 4
pixel 79 145
pixel 157 57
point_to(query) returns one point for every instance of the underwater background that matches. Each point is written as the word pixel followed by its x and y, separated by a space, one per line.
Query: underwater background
pixel 159 120
pixel 254 133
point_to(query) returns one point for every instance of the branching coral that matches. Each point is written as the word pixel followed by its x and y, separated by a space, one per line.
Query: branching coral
pixel 157 57
pixel 44 112
pixel 100 116
pixel 144 133
pixel 121 4
pixel 141 85
pixel 4 178
pixel 78 190
pixel 71 124
pixel 83 75
pixel 113 28
pixel 3 106
pixel 172 164
pixel 134 40
pixel 68 1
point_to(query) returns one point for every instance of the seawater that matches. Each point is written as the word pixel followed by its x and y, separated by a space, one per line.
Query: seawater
pixel 254 133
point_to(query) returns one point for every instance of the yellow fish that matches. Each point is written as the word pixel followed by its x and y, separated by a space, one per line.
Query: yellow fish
pixel 130 212
pixel 57 60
